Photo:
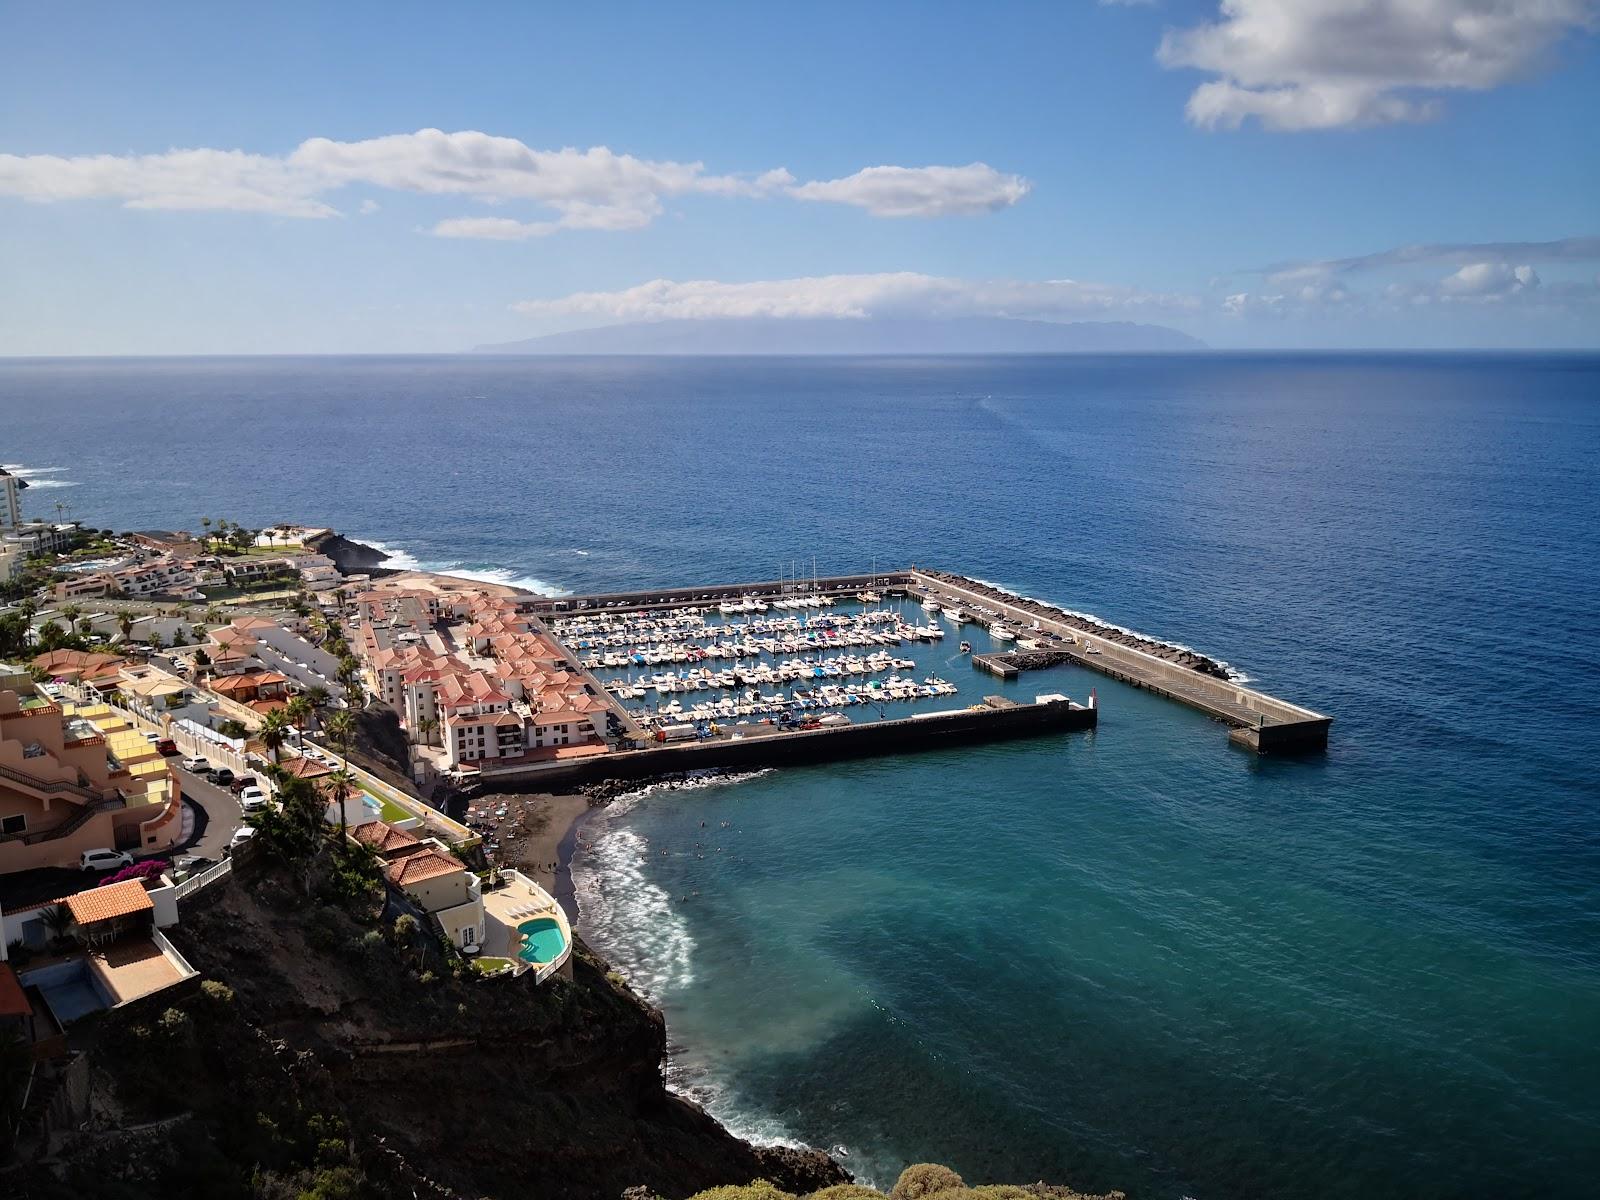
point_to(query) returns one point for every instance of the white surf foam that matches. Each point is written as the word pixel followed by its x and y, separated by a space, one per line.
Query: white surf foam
pixel 38 477
pixel 631 918
pixel 393 557
pixel 632 921
pixel 398 559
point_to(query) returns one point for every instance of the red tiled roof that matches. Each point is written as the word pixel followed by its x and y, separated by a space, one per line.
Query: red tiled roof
pixel 422 866
pixel 306 768
pixel 103 903
pixel 381 836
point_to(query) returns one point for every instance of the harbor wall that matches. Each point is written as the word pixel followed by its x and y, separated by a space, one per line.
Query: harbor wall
pixel 793 748
pixel 714 593
pixel 1261 722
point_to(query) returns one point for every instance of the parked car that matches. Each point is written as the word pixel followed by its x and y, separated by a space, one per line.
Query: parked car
pixel 152 738
pixel 104 860
pixel 241 835
pixel 167 747
pixel 222 776
pixel 240 782
pixel 195 764
pixel 253 799
pixel 190 864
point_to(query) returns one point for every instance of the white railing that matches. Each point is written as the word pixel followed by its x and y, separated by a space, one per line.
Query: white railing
pixel 543 971
pixel 414 807
pixel 171 951
pixel 210 875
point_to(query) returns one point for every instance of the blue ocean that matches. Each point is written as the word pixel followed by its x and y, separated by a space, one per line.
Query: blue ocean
pixel 1136 958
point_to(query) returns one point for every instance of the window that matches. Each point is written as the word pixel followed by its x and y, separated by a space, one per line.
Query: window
pixel 15 824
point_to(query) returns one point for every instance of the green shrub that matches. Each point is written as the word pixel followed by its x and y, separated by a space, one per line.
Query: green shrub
pixel 323 934
pixel 758 1189
pixel 924 1179
pixel 847 1191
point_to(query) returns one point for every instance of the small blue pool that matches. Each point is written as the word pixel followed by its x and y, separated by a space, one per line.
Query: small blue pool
pixel 543 940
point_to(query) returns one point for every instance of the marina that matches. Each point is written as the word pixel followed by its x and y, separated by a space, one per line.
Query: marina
pixel 792 654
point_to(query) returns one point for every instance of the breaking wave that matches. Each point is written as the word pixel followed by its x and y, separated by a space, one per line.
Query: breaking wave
pixel 38 477
pixel 398 559
pixel 633 922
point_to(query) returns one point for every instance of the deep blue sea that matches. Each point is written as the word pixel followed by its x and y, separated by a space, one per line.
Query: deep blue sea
pixel 1136 958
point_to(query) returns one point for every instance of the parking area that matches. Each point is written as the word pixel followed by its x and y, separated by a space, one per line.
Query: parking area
pixel 216 816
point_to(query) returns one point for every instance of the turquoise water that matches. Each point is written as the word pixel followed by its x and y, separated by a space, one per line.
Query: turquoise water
pixel 544 942
pixel 1134 958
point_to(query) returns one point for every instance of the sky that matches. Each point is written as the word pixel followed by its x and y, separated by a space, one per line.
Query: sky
pixel 391 178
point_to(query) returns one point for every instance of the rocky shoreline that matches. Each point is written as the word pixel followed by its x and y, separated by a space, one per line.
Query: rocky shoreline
pixel 1180 655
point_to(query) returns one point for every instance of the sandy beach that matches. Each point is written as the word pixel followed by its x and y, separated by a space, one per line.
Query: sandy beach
pixel 526 832
pixel 444 584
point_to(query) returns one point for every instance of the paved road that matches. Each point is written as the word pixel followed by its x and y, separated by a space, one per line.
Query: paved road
pixel 221 809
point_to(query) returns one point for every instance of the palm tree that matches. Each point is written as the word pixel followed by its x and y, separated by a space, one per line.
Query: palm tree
pixel 319 700
pixel 124 622
pixel 71 612
pixel 274 732
pixel 205 537
pixel 297 710
pixel 425 728
pixel 341 727
pixel 343 785
pixel 58 922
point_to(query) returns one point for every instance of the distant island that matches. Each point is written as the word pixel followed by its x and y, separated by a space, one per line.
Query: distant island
pixel 834 335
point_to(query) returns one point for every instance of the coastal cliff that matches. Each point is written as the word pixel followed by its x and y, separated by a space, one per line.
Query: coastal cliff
pixel 349 557
pixel 364 1058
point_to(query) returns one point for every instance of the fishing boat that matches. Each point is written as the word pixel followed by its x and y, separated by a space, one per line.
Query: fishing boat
pixel 1001 634
pixel 966 647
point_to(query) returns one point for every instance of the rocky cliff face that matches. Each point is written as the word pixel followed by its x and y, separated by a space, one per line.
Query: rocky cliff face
pixel 472 1088
pixel 348 556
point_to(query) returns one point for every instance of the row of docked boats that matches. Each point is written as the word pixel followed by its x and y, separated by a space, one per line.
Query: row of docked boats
pixel 752 703
pixel 589 634
pixel 788 671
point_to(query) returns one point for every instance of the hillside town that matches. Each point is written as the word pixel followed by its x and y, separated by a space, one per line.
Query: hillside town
pixel 177 705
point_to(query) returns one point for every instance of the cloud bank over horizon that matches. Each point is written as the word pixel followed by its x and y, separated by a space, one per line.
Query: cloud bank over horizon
pixel 593 189
pixel 1489 273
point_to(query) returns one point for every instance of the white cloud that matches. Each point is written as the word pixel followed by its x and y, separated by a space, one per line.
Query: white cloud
pixel 1479 281
pixel 921 191
pixel 595 189
pixel 497 229
pixel 368 207
pixel 178 179
pixel 1325 64
pixel 858 296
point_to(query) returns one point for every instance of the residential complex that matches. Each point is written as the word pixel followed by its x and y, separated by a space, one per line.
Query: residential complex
pixel 74 778
pixel 469 673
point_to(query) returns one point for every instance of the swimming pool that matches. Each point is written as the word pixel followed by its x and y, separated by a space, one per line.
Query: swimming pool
pixel 543 941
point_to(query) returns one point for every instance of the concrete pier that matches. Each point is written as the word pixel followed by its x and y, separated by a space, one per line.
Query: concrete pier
pixel 1260 722
pixel 995 719
pixel 840 586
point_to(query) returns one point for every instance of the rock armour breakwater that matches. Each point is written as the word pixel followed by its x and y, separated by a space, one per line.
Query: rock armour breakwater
pixel 1179 655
